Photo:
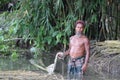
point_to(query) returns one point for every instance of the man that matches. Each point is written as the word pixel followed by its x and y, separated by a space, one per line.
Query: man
pixel 78 52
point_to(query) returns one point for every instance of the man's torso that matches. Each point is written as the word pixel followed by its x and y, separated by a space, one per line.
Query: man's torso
pixel 77 46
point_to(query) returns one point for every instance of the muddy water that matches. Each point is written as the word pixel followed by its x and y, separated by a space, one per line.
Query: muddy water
pixel 21 69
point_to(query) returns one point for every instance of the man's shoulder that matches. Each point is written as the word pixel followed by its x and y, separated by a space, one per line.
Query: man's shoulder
pixel 86 39
pixel 72 37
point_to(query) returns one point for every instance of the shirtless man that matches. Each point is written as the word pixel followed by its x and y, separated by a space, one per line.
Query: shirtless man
pixel 79 53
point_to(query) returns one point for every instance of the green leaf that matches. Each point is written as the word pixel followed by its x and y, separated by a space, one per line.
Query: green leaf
pixel 58 37
pixel 14 55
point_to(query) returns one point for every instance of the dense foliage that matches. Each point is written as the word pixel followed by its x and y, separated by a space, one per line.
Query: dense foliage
pixel 50 23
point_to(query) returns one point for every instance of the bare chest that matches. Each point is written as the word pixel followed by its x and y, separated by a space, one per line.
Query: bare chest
pixel 78 42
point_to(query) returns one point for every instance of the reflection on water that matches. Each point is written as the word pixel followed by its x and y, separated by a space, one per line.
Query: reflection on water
pixel 23 64
pixel 19 64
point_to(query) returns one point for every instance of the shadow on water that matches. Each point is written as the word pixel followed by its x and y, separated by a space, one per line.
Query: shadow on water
pixel 23 64
pixel 92 75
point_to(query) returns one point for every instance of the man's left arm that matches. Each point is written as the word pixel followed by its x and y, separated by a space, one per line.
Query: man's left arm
pixel 87 50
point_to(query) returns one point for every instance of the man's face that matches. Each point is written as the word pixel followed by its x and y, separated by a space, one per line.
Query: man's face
pixel 79 28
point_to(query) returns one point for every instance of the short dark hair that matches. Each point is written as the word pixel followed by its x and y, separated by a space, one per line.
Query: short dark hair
pixel 81 22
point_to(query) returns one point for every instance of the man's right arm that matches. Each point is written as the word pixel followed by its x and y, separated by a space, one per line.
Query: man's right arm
pixel 67 52
pixel 61 56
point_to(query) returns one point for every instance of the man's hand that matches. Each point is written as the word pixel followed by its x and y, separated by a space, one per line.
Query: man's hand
pixel 84 67
pixel 60 55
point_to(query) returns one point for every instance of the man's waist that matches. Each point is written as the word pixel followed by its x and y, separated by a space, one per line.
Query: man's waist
pixel 76 58
pixel 76 54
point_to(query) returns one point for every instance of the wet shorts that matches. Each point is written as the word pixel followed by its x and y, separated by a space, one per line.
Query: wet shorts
pixel 74 68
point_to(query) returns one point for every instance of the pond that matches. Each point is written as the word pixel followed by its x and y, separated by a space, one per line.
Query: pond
pixel 22 67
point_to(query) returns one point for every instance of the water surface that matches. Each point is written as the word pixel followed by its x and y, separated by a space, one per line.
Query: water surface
pixel 7 64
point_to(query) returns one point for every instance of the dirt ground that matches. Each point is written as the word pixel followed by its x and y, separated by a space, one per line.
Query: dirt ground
pixel 28 75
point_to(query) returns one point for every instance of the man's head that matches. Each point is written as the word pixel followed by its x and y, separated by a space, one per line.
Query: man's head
pixel 79 27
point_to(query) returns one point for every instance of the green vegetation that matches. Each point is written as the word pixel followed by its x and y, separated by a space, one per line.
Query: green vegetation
pixel 50 23
pixel 3 2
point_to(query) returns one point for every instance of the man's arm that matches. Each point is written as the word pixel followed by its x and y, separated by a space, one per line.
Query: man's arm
pixel 68 51
pixel 87 50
